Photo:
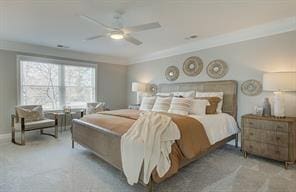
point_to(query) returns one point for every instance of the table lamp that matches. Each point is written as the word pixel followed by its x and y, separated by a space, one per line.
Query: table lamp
pixel 140 88
pixel 279 82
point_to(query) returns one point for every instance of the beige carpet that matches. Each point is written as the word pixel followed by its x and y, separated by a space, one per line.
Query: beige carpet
pixel 49 165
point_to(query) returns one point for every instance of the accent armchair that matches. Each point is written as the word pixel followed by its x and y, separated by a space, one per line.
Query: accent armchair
pixel 30 118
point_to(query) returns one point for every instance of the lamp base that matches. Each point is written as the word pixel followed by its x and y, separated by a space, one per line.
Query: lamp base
pixel 279 105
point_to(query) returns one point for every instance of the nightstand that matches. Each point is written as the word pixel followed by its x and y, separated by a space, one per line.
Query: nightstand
pixel 134 106
pixel 270 137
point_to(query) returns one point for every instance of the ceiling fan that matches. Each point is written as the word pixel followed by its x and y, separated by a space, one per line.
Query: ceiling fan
pixel 121 32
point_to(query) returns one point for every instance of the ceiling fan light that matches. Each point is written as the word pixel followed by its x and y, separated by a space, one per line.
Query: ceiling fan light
pixel 117 36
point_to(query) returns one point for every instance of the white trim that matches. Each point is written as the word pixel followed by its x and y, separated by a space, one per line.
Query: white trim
pixel 5 138
pixel 55 61
pixel 259 31
pixel 58 52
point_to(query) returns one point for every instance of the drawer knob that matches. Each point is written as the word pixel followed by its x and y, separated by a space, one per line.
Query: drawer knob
pixel 278 138
pixel 251 146
pixel 279 127
pixel 251 133
pixel 277 152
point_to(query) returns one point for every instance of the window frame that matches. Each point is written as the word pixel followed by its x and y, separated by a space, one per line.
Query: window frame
pixel 53 61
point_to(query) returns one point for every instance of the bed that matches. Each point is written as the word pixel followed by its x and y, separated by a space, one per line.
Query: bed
pixel 105 141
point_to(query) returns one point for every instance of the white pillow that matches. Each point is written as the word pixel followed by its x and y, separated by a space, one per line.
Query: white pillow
pixel 164 94
pixel 147 103
pixel 190 94
pixel 162 104
pixel 212 94
pixel 199 106
pixel 180 106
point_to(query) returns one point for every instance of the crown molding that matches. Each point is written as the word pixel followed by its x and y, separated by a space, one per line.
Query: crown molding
pixel 58 52
pixel 258 31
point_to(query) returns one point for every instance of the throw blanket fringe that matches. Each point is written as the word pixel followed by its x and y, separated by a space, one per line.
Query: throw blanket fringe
pixel 148 141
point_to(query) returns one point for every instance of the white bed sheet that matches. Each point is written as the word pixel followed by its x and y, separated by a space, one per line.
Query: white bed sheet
pixel 218 126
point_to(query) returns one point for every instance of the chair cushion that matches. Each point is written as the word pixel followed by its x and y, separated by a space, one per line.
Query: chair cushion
pixel 37 124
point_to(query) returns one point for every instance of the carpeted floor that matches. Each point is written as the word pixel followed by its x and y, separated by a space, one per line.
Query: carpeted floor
pixel 49 165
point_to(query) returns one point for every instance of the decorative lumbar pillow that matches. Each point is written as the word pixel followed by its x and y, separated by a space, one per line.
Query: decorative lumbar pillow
pixel 147 103
pixel 95 107
pixel 162 104
pixel 187 94
pixel 199 106
pixel 35 114
pixel 164 94
pixel 212 94
pixel 212 108
pixel 180 106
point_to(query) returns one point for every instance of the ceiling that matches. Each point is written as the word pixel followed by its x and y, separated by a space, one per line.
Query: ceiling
pixel 52 22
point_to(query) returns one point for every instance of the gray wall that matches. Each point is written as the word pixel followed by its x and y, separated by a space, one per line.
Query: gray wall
pixel 246 60
pixel 111 86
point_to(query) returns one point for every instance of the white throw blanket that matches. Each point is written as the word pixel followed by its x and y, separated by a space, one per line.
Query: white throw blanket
pixel 149 140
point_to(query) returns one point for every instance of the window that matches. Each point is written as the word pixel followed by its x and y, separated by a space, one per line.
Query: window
pixel 54 83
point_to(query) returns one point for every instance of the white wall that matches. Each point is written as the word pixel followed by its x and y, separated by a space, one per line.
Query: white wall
pixel 246 60
pixel 111 86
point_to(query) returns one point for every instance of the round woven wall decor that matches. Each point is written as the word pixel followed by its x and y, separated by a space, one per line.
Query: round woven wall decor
pixel 172 73
pixel 192 66
pixel 217 69
pixel 251 87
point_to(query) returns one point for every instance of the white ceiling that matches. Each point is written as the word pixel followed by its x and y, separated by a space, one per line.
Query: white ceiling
pixel 52 22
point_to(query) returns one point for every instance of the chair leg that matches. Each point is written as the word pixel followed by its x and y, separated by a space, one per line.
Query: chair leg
pixel 56 132
pixel 23 142
pixel 41 131
pixel 236 140
pixel 12 134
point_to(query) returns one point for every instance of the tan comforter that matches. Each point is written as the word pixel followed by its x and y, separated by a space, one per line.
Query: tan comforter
pixel 193 136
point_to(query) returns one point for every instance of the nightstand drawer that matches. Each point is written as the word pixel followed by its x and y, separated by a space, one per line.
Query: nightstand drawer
pixel 281 126
pixel 266 150
pixel 252 134
pixel 266 136
pixel 252 123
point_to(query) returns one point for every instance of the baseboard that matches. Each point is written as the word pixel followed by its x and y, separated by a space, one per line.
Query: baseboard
pixel 5 138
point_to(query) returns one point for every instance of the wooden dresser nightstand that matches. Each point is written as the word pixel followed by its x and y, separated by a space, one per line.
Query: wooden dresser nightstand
pixel 270 137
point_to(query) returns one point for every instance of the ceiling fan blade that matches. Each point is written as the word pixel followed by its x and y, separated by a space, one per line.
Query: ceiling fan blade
pixel 132 40
pixel 94 37
pixel 144 27
pixel 92 20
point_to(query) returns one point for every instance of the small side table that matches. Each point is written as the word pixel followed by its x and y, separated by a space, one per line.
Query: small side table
pixel 67 116
pixel 134 106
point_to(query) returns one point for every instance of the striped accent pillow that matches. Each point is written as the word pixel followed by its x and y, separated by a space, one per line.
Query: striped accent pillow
pixel 147 103
pixel 162 104
pixel 181 106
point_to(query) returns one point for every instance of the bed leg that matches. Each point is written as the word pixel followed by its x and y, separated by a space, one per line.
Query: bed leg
pixel 72 143
pixel 150 186
pixel 236 140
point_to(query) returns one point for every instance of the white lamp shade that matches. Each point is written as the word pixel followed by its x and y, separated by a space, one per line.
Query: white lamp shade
pixel 282 81
pixel 140 87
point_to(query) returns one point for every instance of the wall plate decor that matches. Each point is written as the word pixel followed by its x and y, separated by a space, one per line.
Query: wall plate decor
pixel 172 73
pixel 251 87
pixel 217 69
pixel 192 66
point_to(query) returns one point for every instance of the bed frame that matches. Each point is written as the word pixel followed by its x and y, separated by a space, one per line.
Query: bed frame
pixel 97 138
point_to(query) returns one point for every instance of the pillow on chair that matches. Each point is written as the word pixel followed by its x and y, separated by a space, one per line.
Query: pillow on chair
pixel 95 107
pixel 30 115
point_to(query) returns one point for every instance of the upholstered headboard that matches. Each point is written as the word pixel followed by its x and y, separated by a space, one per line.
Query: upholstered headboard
pixel 228 87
